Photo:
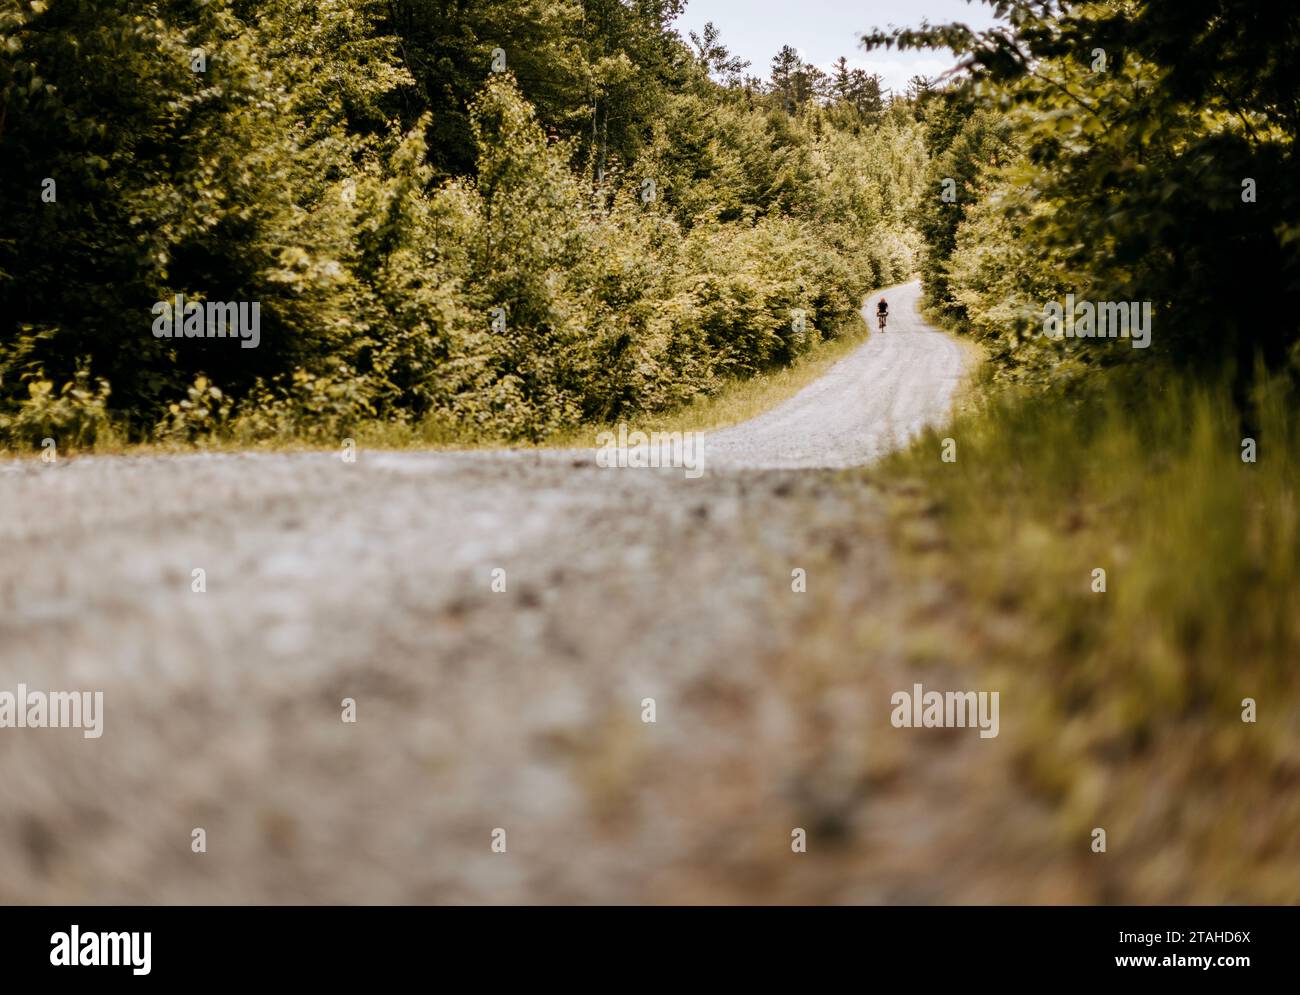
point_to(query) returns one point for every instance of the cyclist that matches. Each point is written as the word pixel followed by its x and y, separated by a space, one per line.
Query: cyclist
pixel 882 312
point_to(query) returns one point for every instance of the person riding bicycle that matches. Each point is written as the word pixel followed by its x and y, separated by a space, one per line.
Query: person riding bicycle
pixel 882 312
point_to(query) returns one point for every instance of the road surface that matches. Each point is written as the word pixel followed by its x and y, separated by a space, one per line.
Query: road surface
pixel 503 623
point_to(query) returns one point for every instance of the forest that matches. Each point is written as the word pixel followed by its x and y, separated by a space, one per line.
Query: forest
pixel 489 221
pixel 497 223
pixel 1121 151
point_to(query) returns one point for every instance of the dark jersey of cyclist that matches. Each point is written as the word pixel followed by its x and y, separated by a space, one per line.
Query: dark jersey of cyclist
pixel 882 308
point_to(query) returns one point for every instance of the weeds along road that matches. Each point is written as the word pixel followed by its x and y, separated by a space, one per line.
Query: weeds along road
pixel 479 710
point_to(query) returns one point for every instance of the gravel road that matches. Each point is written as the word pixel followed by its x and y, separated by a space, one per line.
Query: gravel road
pixel 871 402
pixel 480 709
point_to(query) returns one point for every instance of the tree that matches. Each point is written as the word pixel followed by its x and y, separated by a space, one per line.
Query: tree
pixel 715 58
pixel 171 179
pixel 1137 164
pixel 794 82
pixel 855 88
pixel 865 93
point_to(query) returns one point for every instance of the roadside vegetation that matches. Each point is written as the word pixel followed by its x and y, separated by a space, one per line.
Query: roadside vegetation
pixel 467 224
pixel 1162 708
pixel 736 399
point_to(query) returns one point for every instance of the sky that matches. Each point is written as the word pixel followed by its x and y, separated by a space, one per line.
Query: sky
pixel 823 30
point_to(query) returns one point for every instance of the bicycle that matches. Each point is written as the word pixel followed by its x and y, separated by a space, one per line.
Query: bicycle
pixel 882 315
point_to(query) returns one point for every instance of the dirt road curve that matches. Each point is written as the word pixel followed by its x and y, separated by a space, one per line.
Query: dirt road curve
pixel 478 709
pixel 871 402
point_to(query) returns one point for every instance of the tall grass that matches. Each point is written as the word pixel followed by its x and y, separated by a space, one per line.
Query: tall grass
pixel 1127 705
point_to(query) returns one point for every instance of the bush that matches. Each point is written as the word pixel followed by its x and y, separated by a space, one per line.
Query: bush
pixel 254 181
pixel 75 417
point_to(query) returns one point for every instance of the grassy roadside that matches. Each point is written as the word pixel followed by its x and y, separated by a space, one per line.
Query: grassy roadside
pixel 1125 707
pixel 737 401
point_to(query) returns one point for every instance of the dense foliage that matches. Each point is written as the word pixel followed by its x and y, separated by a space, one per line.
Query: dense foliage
pixel 505 218
pixel 1119 151
pixel 1125 151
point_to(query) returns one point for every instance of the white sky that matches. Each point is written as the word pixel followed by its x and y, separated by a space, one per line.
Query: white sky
pixel 823 30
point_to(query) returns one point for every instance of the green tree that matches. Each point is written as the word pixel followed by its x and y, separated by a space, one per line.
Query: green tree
pixel 1147 134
